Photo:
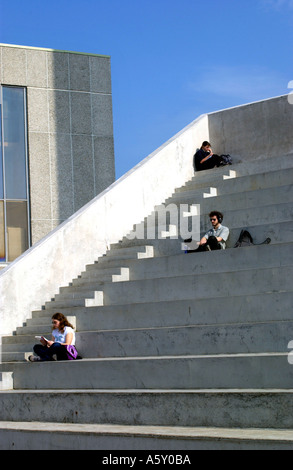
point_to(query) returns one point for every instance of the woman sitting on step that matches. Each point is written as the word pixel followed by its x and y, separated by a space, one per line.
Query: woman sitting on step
pixel 63 335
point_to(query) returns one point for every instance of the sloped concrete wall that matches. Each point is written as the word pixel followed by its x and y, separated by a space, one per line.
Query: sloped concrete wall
pixel 36 276
pixel 254 131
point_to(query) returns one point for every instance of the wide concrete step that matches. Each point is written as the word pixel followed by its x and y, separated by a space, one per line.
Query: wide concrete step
pixel 252 257
pixel 93 282
pixel 41 321
pixel 273 306
pixel 225 284
pixel 23 338
pixel 17 356
pixel 127 253
pixel 132 252
pixel 234 218
pixel 260 221
pixel 43 325
pixel 227 260
pixel 279 232
pixel 90 283
pixel 97 277
pixel 256 257
pixel 254 217
pixel 248 282
pixel 98 273
pixel 256 187
pixel 82 292
pixel 258 323
pixel 206 178
pixel 191 340
pixel 219 408
pixel 226 371
pixel 283 162
pixel 239 201
pixel 243 183
pixel 57 436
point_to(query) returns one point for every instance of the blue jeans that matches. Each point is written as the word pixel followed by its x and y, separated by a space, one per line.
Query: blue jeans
pixel 46 353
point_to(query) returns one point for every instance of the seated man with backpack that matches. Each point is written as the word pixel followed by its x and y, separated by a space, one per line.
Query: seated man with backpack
pixel 205 159
pixel 216 237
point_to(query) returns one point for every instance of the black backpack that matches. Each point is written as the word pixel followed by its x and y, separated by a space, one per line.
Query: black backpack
pixel 245 239
pixel 226 160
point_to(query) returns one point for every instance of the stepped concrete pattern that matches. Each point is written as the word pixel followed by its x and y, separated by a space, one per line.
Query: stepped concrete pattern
pixel 179 351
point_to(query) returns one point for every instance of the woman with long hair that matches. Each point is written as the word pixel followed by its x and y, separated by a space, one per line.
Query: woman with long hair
pixel 63 335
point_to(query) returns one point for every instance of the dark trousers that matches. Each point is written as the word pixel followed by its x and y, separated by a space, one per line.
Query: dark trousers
pixel 215 160
pixel 211 244
pixel 46 353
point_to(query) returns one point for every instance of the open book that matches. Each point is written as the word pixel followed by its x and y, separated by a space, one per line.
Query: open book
pixel 42 337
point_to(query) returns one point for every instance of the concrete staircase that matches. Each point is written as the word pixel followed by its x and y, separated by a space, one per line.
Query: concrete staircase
pixel 179 351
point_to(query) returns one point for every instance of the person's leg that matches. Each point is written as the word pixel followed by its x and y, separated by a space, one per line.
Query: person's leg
pixel 217 160
pixel 46 354
pixel 213 243
pixel 42 352
pixel 200 249
pixel 59 350
pixel 208 164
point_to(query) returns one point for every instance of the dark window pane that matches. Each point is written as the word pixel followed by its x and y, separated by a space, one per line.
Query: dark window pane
pixel 14 143
pixel 17 229
pixel 2 239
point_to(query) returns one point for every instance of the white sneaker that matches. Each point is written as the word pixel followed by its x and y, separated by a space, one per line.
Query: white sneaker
pixel 34 358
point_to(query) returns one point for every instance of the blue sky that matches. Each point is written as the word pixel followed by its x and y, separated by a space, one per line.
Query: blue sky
pixel 172 60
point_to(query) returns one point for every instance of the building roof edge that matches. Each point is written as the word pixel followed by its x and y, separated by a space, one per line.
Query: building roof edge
pixel 53 50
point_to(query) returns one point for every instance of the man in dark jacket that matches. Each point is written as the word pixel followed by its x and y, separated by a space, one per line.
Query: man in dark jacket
pixel 205 159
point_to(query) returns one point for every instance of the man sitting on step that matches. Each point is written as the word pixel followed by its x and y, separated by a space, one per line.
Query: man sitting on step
pixel 205 159
pixel 215 238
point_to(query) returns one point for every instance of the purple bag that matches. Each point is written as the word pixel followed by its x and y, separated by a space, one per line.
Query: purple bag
pixel 71 352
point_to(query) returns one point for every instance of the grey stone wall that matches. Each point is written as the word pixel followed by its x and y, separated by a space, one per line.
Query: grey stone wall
pixel 70 128
pixel 257 130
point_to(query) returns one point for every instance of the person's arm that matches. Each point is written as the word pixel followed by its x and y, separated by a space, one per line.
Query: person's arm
pixel 208 156
pixel 68 339
pixel 49 343
pixel 203 241
pixel 224 235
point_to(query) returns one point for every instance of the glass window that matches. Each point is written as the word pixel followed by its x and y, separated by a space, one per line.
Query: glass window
pixel 14 143
pixel 17 229
pixel 2 233
pixel 14 206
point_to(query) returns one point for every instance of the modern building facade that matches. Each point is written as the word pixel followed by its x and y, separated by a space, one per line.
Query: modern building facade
pixel 56 140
